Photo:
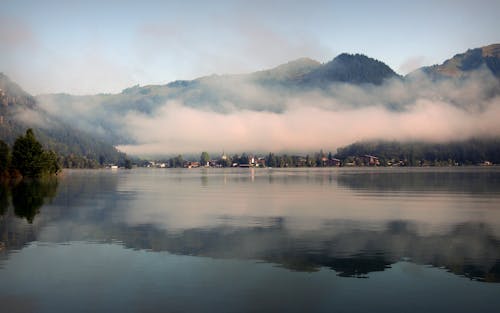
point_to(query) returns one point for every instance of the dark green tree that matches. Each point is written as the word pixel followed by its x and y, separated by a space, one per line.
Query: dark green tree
pixel 29 158
pixel 204 158
pixel 27 154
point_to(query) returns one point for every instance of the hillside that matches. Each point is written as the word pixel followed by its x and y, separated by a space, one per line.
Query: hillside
pixel 19 111
pixel 461 65
pixel 349 68
pixel 286 73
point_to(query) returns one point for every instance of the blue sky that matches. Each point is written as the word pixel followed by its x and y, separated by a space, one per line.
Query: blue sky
pixel 93 46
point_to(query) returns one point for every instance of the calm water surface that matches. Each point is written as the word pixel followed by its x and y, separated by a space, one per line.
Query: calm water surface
pixel 253 240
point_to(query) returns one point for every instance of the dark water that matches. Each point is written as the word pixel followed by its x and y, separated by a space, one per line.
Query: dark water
pixel 263 240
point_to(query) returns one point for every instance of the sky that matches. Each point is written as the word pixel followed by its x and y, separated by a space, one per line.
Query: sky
pixel 89 47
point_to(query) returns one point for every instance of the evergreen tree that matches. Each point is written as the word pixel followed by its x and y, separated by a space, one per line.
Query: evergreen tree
pixel 29 158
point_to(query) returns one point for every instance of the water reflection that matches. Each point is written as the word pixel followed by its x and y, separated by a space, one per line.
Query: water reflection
pixel 19 204
pixel 28 196
pixel 475 181
pixel 298 219
pixel 4 198
pixel 469 250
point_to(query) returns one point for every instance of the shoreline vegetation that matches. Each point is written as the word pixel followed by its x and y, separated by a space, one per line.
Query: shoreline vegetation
pixel 27 159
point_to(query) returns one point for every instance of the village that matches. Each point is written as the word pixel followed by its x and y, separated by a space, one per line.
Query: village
pixel 272 160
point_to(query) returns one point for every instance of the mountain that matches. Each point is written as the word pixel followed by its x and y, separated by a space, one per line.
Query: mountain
pixel 12 100
pixel 288 72
pixel 348 81
pixel 461 65
pixel 267 90
pixel 349 68
pixel 20 111
pixel 345 68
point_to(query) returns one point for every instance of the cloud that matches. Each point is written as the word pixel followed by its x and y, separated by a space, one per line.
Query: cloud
pixel 180 129
pixel 411 64
pixel 238 114
pixel 242 116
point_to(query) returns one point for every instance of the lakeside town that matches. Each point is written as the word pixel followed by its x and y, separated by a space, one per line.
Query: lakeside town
pixel 282 161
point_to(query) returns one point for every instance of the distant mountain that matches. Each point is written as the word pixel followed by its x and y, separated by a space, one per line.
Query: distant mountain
pixel 345 68
pixel 350 68
pixel 19 111
pixel 266 90
pixel 288 72
pixel 463 64
pixel 347 81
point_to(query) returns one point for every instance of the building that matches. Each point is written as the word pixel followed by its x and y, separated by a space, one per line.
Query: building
pixel 370 160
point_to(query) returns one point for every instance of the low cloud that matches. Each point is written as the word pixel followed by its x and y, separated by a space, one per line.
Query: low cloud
pixel 241 114
pixel 180 129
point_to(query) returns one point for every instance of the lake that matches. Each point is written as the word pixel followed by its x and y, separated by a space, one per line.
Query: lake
pixel 253 240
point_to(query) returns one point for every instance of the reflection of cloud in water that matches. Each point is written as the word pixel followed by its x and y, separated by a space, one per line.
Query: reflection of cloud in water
pixel 468 249
pixel 179 200
pixel 300 219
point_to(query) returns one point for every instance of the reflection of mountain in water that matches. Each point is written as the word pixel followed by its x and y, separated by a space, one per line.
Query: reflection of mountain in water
pixel 351 252
pixel 88 208
pixel 469 181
